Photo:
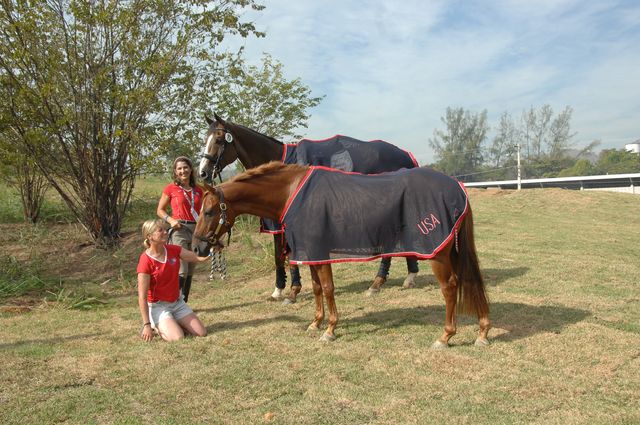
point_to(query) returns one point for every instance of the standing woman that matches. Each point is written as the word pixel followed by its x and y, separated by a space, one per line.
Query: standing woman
pixel 185 199
pixel 161 306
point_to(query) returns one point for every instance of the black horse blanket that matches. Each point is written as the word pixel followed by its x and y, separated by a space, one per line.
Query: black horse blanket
pixel 346 154
pixel 336 217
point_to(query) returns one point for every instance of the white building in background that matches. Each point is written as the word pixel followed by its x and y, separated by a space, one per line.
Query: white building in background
pixel 633 147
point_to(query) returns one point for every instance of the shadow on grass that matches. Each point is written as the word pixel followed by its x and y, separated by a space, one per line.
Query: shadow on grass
pixel 225 307
pixel 518 320
pixel 425 278
pixel 47 341
pixel 223 326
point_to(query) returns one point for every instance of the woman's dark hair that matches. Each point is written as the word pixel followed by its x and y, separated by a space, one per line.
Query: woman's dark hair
pixel 192 179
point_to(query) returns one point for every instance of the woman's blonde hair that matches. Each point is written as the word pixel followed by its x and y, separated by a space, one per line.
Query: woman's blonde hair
pixel 148 227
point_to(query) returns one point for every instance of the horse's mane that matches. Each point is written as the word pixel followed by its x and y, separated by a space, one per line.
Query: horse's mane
pixel 264 169
pixel 256 133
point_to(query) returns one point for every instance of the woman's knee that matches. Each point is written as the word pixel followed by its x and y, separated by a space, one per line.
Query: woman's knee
pixel 200 332
pixel 170 331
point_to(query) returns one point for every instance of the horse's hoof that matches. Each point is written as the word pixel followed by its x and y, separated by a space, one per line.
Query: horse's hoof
pixel 288 301
pixel 313 327
pixel 372 292
pixel 439 345
pixel 408 284
pixel 481 342
pixel 276 295
pixel 409 281
pixel 327 338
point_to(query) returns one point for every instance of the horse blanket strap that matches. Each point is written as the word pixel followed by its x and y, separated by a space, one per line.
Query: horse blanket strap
pixel 338 217
pixel 346 154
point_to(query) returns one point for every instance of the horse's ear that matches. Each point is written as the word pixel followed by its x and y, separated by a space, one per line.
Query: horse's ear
pixel 209 120
pixel 217 117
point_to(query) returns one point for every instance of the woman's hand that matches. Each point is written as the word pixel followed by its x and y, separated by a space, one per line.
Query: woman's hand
pixel 147 333
pixel 175 224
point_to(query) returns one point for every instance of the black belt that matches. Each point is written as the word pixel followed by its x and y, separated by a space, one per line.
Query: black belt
pixel 186 222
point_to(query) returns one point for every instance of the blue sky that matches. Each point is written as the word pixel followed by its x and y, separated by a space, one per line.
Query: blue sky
pixel 389 69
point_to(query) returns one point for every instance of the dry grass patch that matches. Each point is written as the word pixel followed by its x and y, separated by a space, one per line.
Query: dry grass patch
pixel 562 280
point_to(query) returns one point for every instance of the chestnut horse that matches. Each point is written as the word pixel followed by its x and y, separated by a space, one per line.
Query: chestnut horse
pixel 268 191
pixel 226 142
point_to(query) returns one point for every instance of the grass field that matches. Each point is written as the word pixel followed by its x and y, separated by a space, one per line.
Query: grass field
pixel 562 274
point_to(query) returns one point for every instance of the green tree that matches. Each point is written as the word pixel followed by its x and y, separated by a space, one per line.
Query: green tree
pixel 502 149
pixel 458 149
pixel 102 88
pixel 582 167
pixel 17 170
pixel 262 98
pixel 541 134
pixel 618 161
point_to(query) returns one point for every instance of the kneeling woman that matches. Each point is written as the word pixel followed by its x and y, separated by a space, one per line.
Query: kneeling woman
pixel 161 306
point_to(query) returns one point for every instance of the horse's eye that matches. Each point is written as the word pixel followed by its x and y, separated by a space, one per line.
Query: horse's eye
pixel 209 212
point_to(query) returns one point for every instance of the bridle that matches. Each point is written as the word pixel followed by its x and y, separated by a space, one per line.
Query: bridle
pixel 228 138
pixel 214 238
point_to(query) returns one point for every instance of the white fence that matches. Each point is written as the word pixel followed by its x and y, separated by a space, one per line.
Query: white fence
pixel 628 183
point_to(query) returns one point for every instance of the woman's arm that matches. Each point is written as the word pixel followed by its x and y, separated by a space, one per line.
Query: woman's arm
pixel 143 287
pixel 163 204
pixel 191 256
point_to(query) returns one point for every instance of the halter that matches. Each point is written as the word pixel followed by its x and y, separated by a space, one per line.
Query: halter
pixel 223 217
pixel 228 138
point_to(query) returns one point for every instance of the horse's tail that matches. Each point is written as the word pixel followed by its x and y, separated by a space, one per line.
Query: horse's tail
pixel 472 298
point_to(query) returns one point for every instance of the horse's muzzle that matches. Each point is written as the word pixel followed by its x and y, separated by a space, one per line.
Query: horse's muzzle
pixel 200 245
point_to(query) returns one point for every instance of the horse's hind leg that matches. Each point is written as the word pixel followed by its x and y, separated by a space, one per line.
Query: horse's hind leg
pixel 317 293
pixel 325 276
pixel 412 271
pixel 444 273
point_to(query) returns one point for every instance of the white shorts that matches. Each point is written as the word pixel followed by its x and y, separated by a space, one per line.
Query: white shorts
pixel 162 310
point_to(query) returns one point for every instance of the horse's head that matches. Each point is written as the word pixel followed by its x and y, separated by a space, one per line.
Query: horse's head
pixel 216 219
pixel 219 150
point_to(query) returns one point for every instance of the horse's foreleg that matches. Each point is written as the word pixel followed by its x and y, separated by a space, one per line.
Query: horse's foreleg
pixel 281 273
pixel 326 280
pixel 317 293
pixel 296 286
pixel 444 273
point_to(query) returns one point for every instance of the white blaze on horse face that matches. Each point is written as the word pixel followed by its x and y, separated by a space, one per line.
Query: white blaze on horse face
pixel 204 162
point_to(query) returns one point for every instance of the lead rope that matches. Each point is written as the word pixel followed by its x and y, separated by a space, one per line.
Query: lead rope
pixel 218 264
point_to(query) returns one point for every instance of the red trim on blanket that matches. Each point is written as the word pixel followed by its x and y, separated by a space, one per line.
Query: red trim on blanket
pixel 270 232
pixel 413 158
pixel 293 196
pixel 284 151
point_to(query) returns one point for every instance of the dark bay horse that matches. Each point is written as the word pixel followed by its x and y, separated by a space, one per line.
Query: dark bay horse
pixel 225 142
pixel 435 224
